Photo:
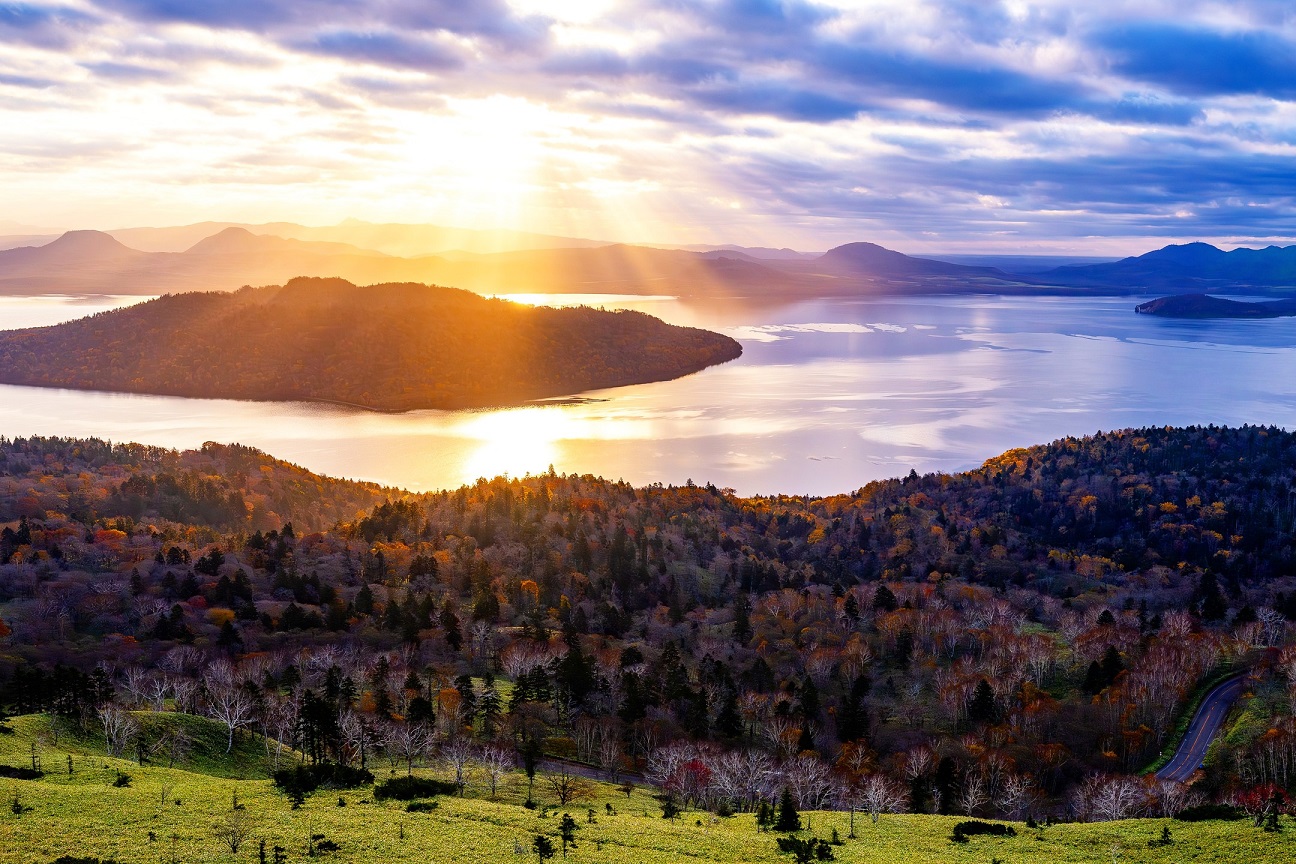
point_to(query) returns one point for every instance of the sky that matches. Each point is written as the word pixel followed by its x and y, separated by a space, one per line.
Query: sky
pixel 925 125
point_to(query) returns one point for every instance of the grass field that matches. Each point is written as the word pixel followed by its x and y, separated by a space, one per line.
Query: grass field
pixel 168 814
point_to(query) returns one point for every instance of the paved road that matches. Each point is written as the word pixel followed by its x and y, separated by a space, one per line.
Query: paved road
pixel 1192 750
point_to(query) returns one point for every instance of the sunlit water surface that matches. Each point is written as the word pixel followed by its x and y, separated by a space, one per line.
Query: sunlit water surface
pixel 827 396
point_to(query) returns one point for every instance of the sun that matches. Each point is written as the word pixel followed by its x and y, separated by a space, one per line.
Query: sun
pixel 515 443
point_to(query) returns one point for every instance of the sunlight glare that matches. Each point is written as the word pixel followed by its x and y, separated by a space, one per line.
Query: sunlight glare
pixel 514 443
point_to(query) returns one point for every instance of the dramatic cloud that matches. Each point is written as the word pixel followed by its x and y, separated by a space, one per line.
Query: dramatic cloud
pixel 923 124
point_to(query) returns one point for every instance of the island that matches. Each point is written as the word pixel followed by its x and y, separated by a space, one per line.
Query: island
pixel 1205 306
pixel 391 347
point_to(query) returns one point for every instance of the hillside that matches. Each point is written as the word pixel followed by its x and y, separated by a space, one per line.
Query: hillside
pixel 391 347
pixel 1022 639
pixel 182 813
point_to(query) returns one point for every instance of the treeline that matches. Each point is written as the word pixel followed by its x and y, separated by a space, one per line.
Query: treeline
pixel 1016 639
pixel 391 347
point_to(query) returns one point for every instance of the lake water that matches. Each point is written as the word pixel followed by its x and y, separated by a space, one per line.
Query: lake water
pixel 827 396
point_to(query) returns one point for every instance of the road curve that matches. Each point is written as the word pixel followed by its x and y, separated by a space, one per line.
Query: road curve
pixel 1205 723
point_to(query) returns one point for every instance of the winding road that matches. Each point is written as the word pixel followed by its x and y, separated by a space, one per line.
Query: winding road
pixel 1205 723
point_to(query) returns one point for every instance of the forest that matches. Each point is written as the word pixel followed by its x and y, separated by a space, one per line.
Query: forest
pixel 393 347
pixel 1018 641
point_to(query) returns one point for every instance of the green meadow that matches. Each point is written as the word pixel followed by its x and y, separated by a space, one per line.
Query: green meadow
pixel 171 815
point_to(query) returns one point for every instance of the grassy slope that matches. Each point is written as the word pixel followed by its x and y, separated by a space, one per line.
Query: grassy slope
pixel 84 814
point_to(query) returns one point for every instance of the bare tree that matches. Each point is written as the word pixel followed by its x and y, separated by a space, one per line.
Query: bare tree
pixel 185 691
pixel 408 741
pixel 231 705
pixel 568 787
pixel 135 681
pixel 119 727
pixel 233 829
pixel 358 737
pixel 496 763
pixel 972 797
pixel 176 744
pixel 459 755
pixel 880 794
pixel 810 780
pixel 610 755
pixel 156 691
pixel 1173 796
pixel 1016 796
pixel 278 724
pixel 1108 797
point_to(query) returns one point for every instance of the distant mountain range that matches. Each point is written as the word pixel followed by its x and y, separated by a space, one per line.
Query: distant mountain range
pixel 1188 268
pixel 232 256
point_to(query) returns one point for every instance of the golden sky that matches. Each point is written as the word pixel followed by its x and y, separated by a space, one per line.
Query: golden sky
pixel 955 125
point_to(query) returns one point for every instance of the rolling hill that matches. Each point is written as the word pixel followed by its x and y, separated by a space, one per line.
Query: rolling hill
pixel 391 347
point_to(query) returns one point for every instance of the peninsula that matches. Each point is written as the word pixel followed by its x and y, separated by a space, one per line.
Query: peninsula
pixel 394 347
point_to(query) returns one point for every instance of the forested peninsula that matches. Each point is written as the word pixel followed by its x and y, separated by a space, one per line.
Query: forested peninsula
pixel 394 347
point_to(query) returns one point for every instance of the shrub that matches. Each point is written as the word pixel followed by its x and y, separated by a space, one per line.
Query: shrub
pixel 20 773
pixel 1208 812
pixel 409 788
pixel 971 827
pixel 70 859
pixel 805 851
pixel 421 806
pixel 123 780
pixel 308 778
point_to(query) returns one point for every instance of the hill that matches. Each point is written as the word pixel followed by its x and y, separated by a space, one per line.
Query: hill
pixel 1019 639
pixel 389 347
pixel 1204 306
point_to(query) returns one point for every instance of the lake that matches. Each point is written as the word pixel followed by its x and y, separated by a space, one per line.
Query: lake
pixel 827 396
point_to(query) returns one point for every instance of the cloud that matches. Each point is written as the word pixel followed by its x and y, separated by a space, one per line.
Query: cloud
pixel 51 27
pixel 1197 61
pixel 492 19
pixel 964 86
pixel 26 81
pixel 901 118
pixel 386 49
pixel 128 72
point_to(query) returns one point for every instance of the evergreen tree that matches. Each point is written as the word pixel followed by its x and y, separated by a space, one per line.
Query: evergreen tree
pixel 1094 681
pixel 567 832
pixel 788 818
pixel 364 601
pixel 742 618
pixel 981 708
pixel 1111 665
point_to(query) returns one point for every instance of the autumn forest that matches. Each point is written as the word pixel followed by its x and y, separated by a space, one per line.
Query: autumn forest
pixel 1016 641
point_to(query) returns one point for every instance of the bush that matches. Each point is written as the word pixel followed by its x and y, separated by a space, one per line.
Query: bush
pixel 20 773
pixel 421 806
pixel 409 788
pixel 123 781
pixel 971 827
pixel 1208 812
pixel 69 859
pixel 806 850
pixel 308 778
